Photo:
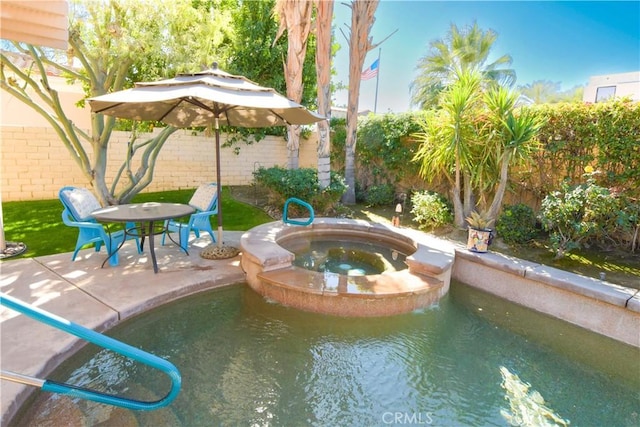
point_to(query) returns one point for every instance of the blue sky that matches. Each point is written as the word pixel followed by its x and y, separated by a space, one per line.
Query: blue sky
pixel 564 42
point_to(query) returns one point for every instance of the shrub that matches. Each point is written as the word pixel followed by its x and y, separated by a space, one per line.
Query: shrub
pixel 380 195
pixel 627 226
pixel 384 147
pixel 580 215
pixel 302 183
pixel 517 224
pixel 479 221
pixel 325 200
pixel 430 210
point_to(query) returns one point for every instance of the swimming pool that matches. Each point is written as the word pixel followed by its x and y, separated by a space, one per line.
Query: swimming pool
pixel 246 361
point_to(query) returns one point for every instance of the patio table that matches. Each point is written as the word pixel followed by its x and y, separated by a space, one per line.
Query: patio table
pixel 145 214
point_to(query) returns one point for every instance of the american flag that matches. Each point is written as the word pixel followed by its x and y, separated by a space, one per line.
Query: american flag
pixel 370 72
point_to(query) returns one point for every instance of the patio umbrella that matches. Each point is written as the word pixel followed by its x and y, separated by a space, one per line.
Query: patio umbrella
pixel 204 98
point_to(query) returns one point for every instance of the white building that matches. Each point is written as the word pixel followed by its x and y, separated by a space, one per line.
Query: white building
pixel 601 88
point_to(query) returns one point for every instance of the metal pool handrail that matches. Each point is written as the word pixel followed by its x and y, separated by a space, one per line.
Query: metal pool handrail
pixel 102 341
pixel 285 213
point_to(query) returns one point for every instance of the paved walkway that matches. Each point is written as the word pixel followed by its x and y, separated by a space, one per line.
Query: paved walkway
pixel 94 297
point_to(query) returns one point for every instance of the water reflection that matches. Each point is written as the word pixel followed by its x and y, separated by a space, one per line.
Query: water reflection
pixel 526 408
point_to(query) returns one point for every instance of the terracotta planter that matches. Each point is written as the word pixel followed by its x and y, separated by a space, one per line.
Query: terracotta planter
pixel 479 240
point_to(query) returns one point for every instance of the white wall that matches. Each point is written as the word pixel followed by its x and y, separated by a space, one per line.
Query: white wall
pixel 626 85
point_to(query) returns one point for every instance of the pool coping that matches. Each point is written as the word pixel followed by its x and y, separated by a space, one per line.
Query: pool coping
pixel 591 303
pixel 588 286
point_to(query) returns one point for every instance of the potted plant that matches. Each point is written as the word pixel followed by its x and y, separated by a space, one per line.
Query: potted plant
pixel 480 232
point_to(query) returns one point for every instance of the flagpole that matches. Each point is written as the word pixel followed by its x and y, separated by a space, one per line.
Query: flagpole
pixel 375 102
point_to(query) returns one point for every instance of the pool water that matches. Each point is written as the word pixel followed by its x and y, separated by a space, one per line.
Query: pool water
pixel 245 361
pixel 354 257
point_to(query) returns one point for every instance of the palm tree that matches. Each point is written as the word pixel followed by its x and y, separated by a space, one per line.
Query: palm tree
pixel 461 51
pixel 472 139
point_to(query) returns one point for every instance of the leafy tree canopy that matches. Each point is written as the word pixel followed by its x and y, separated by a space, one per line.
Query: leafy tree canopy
pixel 255 56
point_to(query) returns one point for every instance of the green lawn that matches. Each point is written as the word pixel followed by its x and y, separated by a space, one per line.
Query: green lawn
pixel 39 224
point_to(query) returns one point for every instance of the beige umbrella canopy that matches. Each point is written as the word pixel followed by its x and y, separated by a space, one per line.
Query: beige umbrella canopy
pixel 199 99
pixel 208 97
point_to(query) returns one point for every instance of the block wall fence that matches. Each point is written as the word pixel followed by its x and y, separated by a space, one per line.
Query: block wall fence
pixel 35 164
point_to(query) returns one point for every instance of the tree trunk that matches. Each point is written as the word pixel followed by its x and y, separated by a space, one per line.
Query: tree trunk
pixel 98 181
pixel 349 197
pixel 362 19
pixel 469 202
pixel 295 17
pixel 3 243
pixel 293 145
pixel 324 150
pixel 502 187
pixel 458 209
pixel 324 15
pixel 458 215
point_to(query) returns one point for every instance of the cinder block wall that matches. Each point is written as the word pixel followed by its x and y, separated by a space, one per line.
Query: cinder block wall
pixel 35 164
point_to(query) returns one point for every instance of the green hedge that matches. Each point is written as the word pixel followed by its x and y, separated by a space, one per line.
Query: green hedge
pixel 384 149
pixel 604 136
pixel 579 141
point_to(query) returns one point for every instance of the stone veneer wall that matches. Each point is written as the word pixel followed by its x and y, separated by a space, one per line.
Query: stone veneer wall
pixel 35 164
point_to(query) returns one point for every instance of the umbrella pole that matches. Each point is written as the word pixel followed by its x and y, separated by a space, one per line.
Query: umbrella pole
pixel 219 184
pixel 219 251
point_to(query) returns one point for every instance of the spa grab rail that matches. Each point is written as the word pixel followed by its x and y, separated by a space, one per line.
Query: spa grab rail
pixel 102 341
pixel 285 213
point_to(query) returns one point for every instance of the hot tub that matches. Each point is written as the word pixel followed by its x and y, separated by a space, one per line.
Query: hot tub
pixel 271 271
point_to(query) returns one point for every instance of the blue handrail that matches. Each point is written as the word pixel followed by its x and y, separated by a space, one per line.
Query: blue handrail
pixel 102 341
pixel 285 214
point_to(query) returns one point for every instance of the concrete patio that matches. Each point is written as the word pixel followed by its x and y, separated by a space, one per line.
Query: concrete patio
pixel 94 297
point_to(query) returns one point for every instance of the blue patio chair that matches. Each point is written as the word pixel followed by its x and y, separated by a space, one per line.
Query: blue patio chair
pixel 205 202
pixel 78 204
